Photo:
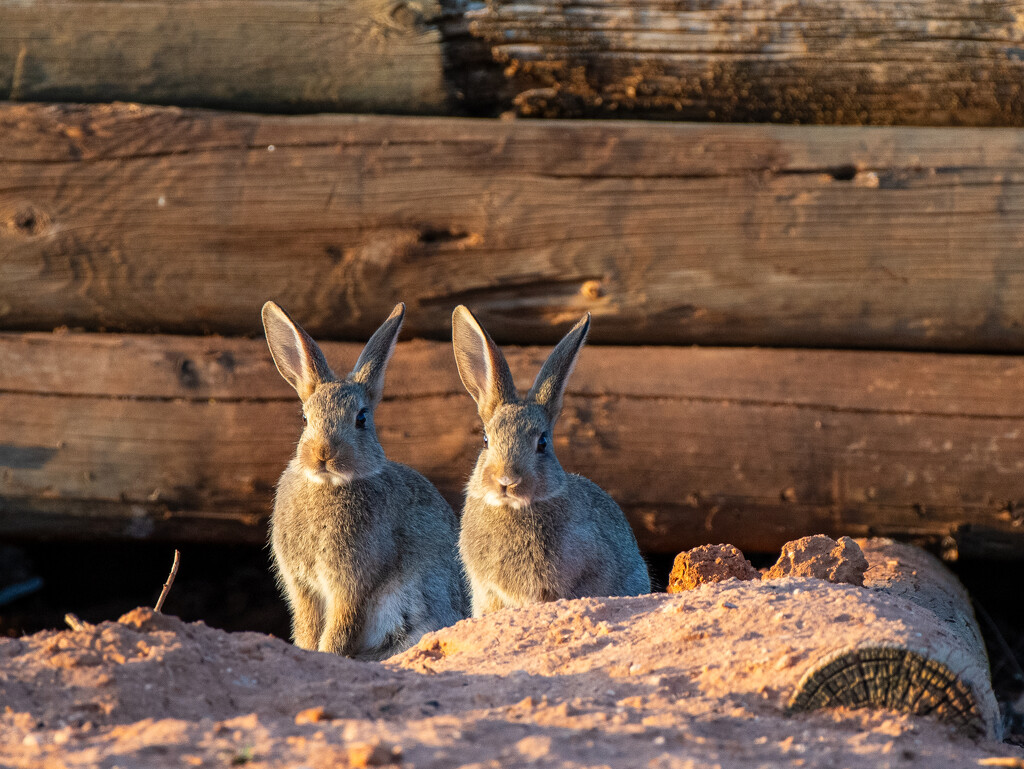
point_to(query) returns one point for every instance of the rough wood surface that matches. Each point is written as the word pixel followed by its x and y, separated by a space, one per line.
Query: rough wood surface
pixel 276 55
pixel 148 219
pixel 746 647
pixel 185 437
pixel 943 675
pixel 940 62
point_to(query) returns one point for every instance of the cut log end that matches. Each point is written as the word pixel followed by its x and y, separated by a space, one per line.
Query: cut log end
pixel 890 677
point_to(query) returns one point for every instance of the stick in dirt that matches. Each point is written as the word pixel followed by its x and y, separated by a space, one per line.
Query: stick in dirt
pixel 168 583
pixel 75 623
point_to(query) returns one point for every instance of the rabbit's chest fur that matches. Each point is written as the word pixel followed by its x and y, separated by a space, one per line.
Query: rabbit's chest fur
pixel 323 533
pixel 570 546
pixel 516 553
pixel 383 545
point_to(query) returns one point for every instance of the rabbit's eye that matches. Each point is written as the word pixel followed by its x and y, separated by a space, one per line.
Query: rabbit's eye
pixel 361 419
pixel 485 440
pixel 304 420
pixel 542 443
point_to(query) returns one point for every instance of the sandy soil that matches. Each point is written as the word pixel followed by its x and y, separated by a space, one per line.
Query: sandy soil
pixel 693 679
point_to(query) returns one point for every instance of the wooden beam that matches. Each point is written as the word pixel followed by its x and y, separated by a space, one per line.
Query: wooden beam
pixel 270 55
pixel 152 219
pixel 184 437
pixel 864 62
pixel 921 63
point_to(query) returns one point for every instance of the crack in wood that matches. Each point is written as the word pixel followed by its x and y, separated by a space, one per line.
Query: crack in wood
pixel 520 289
pixel 572 394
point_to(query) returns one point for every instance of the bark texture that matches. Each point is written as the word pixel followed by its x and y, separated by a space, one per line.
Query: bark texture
pixel 264 55
pixel 185 437
pixel 940 62
pixel 151 219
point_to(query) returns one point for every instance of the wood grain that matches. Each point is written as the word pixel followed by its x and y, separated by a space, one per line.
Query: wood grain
pixel 939 62
pixel 945 676
pixel 162 436
pixel 268 55
pixel 153 219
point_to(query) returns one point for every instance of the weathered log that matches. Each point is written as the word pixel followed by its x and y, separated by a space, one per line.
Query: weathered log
pixel 945 675
pixel 273 55
pixel 763 646
pixel 149 219
pixel 184 437
pixel 925 63
pixel 940 62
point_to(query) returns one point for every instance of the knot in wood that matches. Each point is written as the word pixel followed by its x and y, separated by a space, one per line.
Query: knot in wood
pixel 29 221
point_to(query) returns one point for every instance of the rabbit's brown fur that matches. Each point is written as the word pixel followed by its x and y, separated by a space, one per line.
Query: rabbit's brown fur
pixel 364 548
pixel 531 531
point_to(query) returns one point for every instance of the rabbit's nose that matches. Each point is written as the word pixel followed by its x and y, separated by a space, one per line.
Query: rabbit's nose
pixel 505 481
pixel 322 450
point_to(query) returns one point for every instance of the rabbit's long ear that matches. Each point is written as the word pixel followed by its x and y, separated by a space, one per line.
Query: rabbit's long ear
pixel 483 368
pixel 549 387
pixel 298 357
pixel 373 360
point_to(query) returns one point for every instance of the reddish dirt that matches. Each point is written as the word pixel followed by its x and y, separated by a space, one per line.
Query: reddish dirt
pixel 821 557
pixel 709 563
pixel 696 679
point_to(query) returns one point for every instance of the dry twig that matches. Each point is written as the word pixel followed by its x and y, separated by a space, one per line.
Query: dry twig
pixel 75 623
pixel 168 583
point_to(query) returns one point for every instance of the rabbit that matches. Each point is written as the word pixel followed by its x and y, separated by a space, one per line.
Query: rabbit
pixel 365 550
pixel 530 531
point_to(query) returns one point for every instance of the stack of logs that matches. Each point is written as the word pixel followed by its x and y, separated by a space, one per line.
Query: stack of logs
pixel 855 279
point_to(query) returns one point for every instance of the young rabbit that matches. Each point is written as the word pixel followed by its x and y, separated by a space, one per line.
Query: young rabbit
pixel 364 549
pixel 530 531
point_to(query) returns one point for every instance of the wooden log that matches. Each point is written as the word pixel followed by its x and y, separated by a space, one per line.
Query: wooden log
pixel 791 644
pixel 865 62
pixel 272 55
pixel 184 437
pixel 145 219
pixel 945 675
pixel 921 63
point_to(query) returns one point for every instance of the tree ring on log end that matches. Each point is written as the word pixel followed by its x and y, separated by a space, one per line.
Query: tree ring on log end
pixel 889 677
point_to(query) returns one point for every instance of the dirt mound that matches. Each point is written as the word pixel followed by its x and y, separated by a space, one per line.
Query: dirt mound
pixel 709 563
pixel 694 679
pixel 821 557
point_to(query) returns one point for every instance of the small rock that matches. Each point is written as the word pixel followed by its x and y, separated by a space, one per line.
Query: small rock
pixel 374 753
pixel 823 558
pixel 311 716
pixel 535 748
pixel 709 563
